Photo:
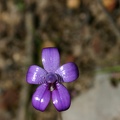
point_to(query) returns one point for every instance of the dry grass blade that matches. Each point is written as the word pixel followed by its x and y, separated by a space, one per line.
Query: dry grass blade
pixel 112 24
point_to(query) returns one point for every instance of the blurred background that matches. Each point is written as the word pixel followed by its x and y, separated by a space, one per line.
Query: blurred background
pixel 86 32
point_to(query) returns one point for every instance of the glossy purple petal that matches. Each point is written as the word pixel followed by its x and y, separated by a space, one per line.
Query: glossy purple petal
pixel 69 72
pixel 41 97
pixel 50 59
pixel 35 75
pixel 61 98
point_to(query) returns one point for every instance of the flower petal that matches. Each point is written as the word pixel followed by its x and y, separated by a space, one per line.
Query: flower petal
pixel 69 72
pixel 61 98
pixel 50 59
pixel 35 75
pixel 41 97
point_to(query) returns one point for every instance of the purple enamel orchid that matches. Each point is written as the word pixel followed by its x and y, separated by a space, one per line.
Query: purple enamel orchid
pixel 50 79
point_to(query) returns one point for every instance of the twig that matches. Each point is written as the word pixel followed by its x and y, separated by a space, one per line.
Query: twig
pixel 29 50
pixel 110 20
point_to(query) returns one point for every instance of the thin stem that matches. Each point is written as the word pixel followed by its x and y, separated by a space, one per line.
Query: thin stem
pixel 108 69
pixel 110 20
pixel 59 116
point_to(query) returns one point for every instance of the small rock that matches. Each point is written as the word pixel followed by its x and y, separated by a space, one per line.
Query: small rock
pixel 102 102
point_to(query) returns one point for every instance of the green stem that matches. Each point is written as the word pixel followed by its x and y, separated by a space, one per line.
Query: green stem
pixel 109 69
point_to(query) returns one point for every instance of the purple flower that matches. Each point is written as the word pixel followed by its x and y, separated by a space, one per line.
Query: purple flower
pixel 51 78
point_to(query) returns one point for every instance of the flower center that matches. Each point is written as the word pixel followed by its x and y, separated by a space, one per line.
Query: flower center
pixel 51 78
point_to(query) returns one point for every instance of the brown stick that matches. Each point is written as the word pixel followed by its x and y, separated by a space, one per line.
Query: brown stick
pixel 112 24
pixel 29 50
